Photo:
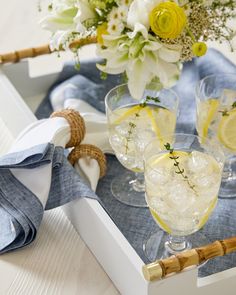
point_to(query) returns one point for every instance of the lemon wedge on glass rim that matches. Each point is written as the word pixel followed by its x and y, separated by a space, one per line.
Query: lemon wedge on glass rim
pixel 227 130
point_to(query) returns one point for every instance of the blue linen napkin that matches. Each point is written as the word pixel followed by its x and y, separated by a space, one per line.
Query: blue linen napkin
pixel 21 212
pixel 136 223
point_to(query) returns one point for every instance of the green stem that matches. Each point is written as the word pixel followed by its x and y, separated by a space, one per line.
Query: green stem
pixel 191 34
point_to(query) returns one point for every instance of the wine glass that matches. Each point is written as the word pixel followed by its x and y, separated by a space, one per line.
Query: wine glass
pixel 216 120
pixel 182 180
pixel 132 125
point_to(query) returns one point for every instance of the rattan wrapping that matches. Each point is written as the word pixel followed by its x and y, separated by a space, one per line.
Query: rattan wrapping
pixel 16 56
pixel 77 125
pixel 93 152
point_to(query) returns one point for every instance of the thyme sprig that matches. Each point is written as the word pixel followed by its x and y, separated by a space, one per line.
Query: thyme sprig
pixel 132 125
pixel 225 112
pixel 178 170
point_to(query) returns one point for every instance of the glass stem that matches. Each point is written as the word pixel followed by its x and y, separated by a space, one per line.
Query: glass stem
pixel 176 244
pixel 228 172
pixel 138 183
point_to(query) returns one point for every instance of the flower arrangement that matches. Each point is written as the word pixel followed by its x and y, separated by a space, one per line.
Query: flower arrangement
pixel 145 39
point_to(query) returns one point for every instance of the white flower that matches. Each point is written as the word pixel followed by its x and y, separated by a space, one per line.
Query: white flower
pixel 85 13
pixel 115 27
pixel 59 6
pixel 118 13
pixel 114 14
pixel 61 17
pixel 123 12
pixel 60 39
pixel 142 60
pixel 124 2
pixel 139 12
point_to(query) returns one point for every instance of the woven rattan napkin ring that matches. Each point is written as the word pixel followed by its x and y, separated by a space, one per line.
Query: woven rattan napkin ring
pixel 91 151
pixel 77 125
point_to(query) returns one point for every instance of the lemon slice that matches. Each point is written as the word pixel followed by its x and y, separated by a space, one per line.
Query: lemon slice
pixel 126 113
pixel 227 129
pixel 159 116
pixel 154 124
pixel 166 162
pixel 160 222
pixel 206 113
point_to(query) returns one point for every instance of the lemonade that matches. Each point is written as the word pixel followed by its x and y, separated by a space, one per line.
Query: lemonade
pixel 216 119
pixel 182 196
pixel 132 127
pixel 216 122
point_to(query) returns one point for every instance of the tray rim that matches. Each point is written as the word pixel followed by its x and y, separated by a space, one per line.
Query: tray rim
pixel 11 97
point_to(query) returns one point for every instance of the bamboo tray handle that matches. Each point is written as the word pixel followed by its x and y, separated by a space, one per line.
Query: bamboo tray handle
pixel 159 269
pixel 16 56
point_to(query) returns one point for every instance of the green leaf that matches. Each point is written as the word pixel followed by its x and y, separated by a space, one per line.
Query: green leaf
pixel 152 98
pixel 167 146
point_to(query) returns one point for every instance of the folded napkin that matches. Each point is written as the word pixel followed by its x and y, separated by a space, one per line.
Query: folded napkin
pixel 136 223
pixel 35 176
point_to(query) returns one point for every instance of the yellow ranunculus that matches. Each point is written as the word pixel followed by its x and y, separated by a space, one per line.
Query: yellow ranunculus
pixel 101 30
pixel 167 20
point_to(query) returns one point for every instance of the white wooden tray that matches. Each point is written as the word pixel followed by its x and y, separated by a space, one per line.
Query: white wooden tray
pixel 104 239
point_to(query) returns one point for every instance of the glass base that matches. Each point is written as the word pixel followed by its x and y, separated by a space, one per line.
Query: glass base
pixel 228 187
pixel 228 183
pixel 156 247
pixel 128 190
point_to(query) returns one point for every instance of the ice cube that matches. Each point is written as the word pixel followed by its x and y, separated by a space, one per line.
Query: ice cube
pixel 124 128
pixel 116 141
pixel 158 205
pixel 199 162
pixel 157 176
pixel 208 187
pixel 142 139
pixel 179 196
pixel 205 180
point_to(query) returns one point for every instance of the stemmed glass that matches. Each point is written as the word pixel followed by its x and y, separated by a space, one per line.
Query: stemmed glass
pixel 216 120
pixel 182 180
pixel 132 125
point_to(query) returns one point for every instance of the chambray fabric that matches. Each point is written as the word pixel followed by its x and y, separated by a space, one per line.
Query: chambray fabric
pixel 91 87
pixel 136 224
pixel 21 212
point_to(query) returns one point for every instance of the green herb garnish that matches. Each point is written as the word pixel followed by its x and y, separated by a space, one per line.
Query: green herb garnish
pixel 225 112
pixel 178 170
pixel 132 125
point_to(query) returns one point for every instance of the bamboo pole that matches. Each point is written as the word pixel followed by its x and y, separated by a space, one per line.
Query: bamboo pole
pixel 176 263
pixel 16 56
